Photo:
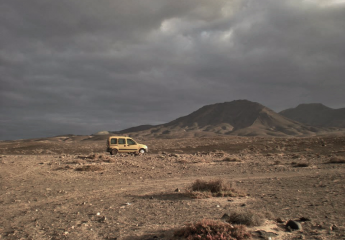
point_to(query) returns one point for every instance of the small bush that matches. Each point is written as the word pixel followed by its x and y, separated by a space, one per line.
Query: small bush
pixel 89 168
pixel 215 188
pixel 336 160
pixel 213 230
pixel 248 218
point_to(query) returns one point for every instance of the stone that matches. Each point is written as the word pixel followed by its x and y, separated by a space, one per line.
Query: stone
pixel 293 225
pixel 266 235
pixel 102 219
pixel 225 217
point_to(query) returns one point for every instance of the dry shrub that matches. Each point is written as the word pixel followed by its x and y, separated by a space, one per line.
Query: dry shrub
pixel 213 230
pixel 277 162
pixel 337 160
pixel 227 159
pixel 300 164
pixel 248 218
pixel 215 188
pixel 89 168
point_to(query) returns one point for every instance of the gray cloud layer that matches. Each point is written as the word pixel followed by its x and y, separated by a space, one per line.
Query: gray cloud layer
pixel 82 66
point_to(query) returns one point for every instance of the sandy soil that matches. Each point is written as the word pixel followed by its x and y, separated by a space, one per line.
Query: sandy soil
pixel 47 193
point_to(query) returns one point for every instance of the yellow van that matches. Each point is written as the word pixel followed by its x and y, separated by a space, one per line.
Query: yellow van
pixel 121 144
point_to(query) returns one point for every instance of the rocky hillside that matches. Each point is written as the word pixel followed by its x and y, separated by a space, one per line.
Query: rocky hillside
pixel 316 114
pixel 240 117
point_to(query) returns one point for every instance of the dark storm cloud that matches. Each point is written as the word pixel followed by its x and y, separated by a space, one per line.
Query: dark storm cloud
pixel 82 66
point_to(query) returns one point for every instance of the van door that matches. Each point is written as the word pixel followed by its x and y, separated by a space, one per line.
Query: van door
pixel 132 146
pixel 122 145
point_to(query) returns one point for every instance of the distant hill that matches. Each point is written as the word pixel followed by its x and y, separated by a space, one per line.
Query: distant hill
pixel 316 114
pixel 240 117
pixel 135 129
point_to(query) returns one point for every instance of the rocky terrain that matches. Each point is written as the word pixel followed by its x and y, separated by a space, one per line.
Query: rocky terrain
pixel 68 187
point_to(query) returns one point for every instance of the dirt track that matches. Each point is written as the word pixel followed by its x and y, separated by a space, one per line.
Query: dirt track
pixel 133 197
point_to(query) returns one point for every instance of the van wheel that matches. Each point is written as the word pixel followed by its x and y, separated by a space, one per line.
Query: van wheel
pixel 142 151
pixel 113 152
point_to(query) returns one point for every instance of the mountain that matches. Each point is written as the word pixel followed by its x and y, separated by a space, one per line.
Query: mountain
pixel 240 117
pixel 316 114
pixel 135 129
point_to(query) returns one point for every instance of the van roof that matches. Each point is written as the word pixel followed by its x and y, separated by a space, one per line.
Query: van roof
pixel 118 137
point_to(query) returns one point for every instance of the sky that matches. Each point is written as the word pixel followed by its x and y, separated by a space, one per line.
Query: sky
pixel 84 66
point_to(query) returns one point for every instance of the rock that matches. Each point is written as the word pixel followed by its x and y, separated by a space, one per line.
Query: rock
pixel 279 220
pixel 102 219
pixel 225 217
pixel 177 190
pixel 334 227
pixel 293 225
pixel 266 235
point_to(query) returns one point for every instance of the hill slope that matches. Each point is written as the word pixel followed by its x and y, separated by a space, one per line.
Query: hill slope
pixel 316 114
pixel 240 117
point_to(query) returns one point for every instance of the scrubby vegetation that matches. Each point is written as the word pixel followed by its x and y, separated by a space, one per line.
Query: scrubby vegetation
pixel 214 188
pixel 248 218
pixel 207 229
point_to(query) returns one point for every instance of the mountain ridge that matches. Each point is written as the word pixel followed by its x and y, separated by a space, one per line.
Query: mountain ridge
pixel 239 118
pixel 317 115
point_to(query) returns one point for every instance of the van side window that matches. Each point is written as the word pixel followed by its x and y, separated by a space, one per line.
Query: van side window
pixel 130 142
pixel 122 141
pixel 113 141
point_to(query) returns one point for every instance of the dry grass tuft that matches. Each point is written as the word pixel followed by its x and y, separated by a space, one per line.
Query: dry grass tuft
pixel 214 188
pixel 90 168
pixel 213 230
pixel 248 218
pixel 336 160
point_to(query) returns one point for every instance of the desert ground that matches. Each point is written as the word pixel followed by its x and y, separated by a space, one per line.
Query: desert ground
pixel 68 187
